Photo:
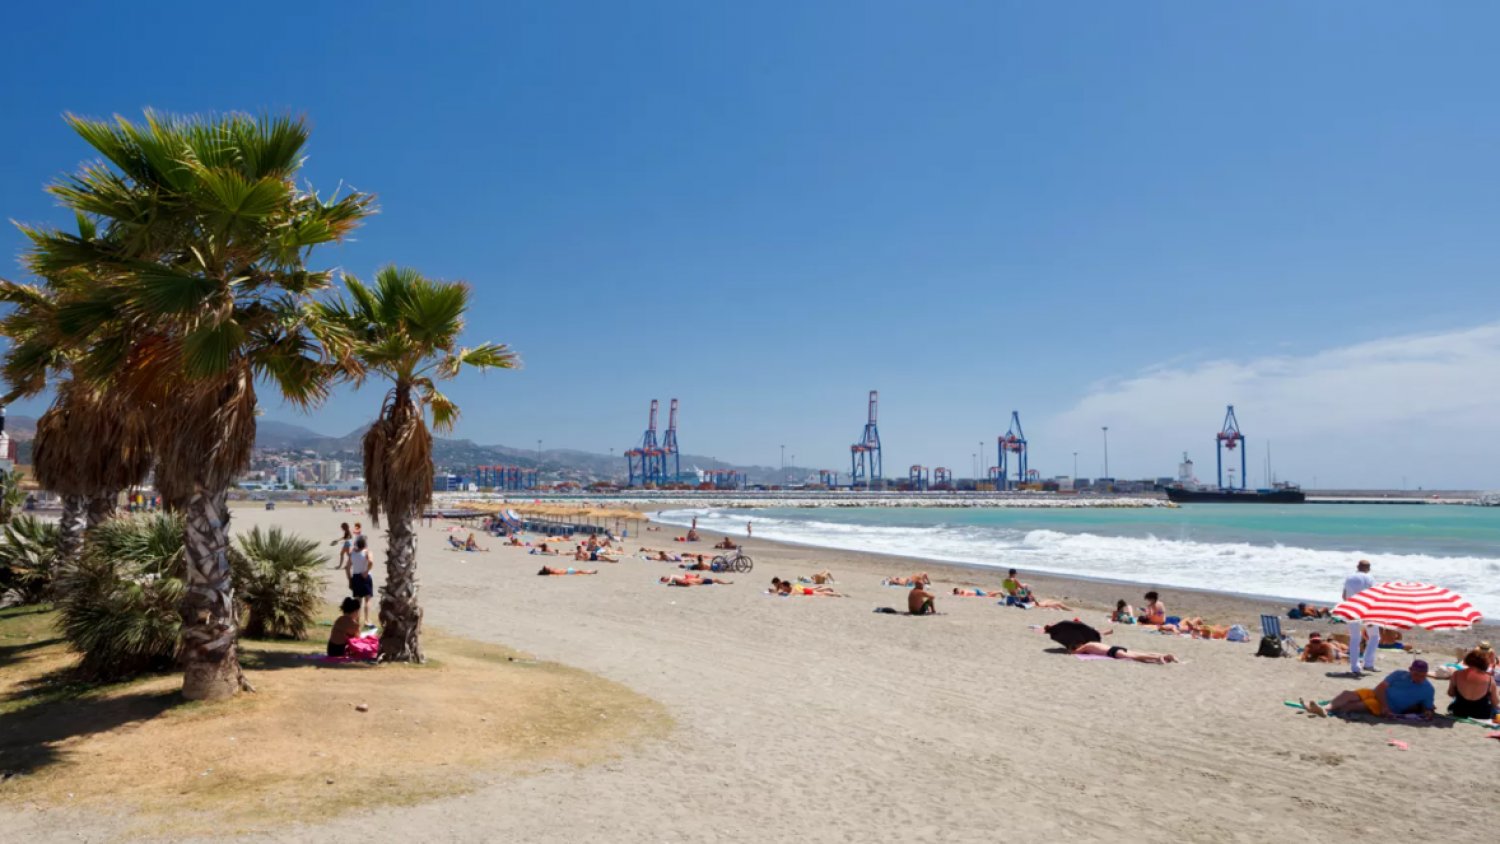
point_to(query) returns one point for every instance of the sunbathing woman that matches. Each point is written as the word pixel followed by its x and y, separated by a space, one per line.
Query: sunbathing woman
pixel 1118 652
pixel 548 570
pixel 919 577
pixel 543 549
pixel 786 587
pixel 974 593
pixel 693 580
pixel 1322 650
pixel 1473 689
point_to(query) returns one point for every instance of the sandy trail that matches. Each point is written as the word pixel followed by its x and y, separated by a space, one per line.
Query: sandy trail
pixel 814 719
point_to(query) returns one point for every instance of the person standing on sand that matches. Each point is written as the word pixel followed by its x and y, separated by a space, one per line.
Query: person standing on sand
pixel 747 529
pixel 361 583
pixel 1353 585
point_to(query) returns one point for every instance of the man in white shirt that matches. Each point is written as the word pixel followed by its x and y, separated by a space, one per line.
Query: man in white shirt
pixel 1353 585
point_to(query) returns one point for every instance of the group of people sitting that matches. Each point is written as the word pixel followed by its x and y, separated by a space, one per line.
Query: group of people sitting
pixel 467 545
pixel 1410 694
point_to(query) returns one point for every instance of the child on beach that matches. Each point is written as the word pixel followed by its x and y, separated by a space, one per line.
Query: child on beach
pixel 1123 614
pixel 345 543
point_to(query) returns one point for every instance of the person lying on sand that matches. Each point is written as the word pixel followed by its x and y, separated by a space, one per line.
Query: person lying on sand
pixel 548 570
pixel 693 580
pixel 1323 650
pixel 543 549
pixel 919 577
pixel 1118 652
pixel 786 587
pixel 919 601
pixel 698 565
pixel 974 593
pixel 1401 693
pixel 819 577
pixel 664 557
pixel 1080 638
pixel 515 541
pixel 726 544
pixel 1303 610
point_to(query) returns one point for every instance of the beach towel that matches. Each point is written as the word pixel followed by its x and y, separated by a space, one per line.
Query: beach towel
pixel 364 647
pixel 1088 657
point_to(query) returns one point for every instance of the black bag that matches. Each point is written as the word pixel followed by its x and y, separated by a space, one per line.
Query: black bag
pixel 1270 646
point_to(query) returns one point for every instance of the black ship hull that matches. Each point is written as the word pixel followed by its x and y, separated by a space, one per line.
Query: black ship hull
pixel 1234 496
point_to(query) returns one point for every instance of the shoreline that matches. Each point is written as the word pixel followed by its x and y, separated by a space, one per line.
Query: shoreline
pixel 1088 593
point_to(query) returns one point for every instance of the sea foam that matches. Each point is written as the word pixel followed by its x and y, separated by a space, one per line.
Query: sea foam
pixel 1279 571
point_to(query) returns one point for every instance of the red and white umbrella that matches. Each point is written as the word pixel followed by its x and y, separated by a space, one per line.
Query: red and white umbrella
pixel 1406 605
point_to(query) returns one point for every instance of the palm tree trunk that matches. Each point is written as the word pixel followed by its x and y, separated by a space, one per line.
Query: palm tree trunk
pixel 101 507
pixel 211 666
pixel 400 614
pixel 70 529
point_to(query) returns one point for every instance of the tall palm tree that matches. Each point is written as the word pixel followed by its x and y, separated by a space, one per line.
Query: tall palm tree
pixel 91 443
pixel 201 290
pixel 406 329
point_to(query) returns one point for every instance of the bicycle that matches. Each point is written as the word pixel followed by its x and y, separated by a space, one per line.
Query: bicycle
pixel 738 563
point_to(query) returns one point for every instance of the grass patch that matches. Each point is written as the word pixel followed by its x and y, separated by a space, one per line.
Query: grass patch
pixel 297 749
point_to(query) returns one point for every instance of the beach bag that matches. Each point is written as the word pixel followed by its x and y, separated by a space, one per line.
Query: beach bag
pixel 1238 633
pixel 1270 646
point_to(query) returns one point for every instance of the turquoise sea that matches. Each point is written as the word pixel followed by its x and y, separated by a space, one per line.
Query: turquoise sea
pixel 1295 551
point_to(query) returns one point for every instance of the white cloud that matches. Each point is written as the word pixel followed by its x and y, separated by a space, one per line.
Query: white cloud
pixel 1425 407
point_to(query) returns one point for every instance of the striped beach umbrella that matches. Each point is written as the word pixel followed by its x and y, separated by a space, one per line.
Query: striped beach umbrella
pixel 1404 605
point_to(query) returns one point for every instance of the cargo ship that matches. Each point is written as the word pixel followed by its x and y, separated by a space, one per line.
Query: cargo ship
pixel 1187 490
pixel 1280 494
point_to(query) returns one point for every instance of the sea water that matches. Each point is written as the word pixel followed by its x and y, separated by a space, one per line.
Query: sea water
pixel 1294 552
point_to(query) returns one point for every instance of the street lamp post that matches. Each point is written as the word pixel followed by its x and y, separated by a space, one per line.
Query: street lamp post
pixel 1106 450
pixel 1075 467
pixel 783 459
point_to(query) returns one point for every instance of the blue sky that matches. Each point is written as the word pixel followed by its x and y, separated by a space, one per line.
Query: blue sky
pixel 1122 214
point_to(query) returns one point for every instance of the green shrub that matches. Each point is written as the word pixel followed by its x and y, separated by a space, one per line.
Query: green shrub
pixel 28 557
pixel 118 604
pixel 275 578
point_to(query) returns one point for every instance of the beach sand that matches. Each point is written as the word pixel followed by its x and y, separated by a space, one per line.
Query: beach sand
pixel 815 719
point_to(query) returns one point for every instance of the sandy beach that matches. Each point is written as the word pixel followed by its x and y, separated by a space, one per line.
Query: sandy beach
pixel 815 719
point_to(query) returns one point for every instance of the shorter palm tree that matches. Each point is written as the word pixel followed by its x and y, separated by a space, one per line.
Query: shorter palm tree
pixel 275 577
pixel 406 329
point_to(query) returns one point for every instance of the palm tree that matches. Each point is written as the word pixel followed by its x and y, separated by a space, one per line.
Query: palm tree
pixel 201 290
pixel 91 443
pixel 406 329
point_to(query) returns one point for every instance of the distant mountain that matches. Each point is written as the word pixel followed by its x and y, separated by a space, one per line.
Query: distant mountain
pixel 461 454
pixel 20 428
